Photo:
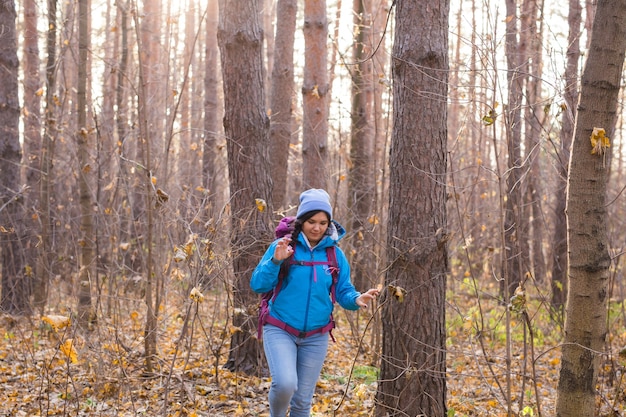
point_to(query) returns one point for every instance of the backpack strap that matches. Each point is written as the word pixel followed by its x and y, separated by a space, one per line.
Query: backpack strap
pixel 333 266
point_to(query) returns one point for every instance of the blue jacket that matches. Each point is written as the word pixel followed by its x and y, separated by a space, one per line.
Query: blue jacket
pixel 304 299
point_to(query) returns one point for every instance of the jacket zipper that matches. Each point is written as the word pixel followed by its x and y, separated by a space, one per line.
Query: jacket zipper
pixel 308 299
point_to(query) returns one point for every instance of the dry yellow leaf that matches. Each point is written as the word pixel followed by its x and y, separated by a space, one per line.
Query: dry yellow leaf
pixel 397 292
pixel 196 295
pixel 315 92
pixel 68 349
pixel 261 204
pixel 599 142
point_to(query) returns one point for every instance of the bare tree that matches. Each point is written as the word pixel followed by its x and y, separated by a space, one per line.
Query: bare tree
pixel 588 246
pixel 315 95
pixel 413 362
pixel 515 222
pixel 15 289
pixel 246 127
pixel 281 100
pixel 85 171
pixel 44 263
pixel 32 152
pixel 559 238
pixel 211 106
pixel 361 182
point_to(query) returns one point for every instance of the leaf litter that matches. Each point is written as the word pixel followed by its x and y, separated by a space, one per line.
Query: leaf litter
pixel 49 369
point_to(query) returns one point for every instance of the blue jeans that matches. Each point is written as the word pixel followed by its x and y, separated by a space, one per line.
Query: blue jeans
pixel 295 365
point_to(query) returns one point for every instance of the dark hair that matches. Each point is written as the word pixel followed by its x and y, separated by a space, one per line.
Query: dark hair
pixel 297 224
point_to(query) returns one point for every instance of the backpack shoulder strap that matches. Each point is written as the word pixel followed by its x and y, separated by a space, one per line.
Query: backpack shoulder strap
pixel 282 273
pixel 334 270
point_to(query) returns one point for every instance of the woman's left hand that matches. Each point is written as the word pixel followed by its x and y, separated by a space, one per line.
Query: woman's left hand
pixel 364 299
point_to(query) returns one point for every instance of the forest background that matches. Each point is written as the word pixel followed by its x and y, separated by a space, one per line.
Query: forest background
pixel 148 160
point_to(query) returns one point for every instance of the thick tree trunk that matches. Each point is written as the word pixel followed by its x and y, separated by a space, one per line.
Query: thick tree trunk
pixel 246 127
pixel 413 363
pixel 589 258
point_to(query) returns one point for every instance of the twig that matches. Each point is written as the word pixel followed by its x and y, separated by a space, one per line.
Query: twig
pixel 345 392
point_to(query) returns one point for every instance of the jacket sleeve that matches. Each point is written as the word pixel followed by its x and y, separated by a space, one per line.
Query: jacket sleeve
pixel 265 275
pixel 345 292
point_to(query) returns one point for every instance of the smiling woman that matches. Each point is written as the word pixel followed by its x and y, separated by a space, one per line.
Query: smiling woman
pixel 305 280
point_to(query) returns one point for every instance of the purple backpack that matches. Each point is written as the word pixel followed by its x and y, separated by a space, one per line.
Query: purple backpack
pixel 285 228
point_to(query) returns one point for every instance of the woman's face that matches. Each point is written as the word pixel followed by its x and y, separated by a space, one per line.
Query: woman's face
pixel 315 227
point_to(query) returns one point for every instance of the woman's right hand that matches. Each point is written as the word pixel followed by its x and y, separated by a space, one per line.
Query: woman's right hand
pixel 283 249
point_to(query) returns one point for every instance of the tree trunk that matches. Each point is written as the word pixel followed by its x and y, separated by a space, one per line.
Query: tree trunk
pixel 32 154
pixel 515 223
pixel 559 238
pixel 315 96
pixel 211 107
pixel 85 171
pixel 361 182
pixel 413 364
pixel 44 263
pixel 246 128
pixel 149 144
pixel 534 118
pixel 281 105
pixel 15 289
pixel 589 258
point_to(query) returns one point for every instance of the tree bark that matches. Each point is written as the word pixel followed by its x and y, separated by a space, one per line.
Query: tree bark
pixel 32 159
pixel 211 107
pixel 559 239
pixel 361 179
pixel 413 363
pixel 85 171
pixel 282 99
pixel 315 96
pixel 15 289
pixel 589 258
pixel 246 128
pixel 515 222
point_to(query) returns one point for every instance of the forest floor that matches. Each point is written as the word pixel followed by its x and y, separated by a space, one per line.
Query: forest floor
pixel 56 372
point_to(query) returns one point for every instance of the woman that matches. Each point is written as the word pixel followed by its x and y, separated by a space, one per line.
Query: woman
pixel 303 303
